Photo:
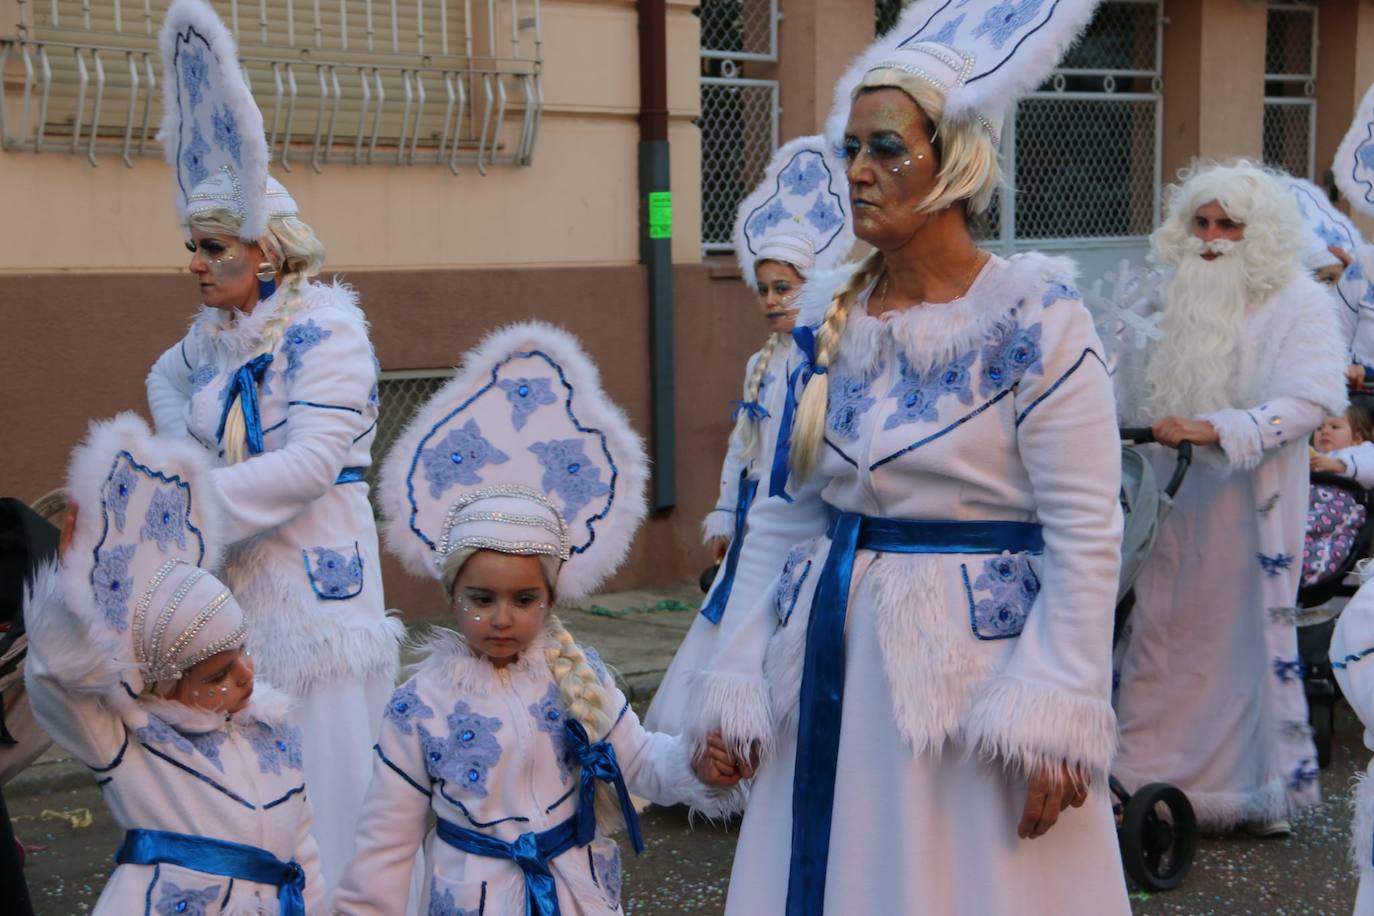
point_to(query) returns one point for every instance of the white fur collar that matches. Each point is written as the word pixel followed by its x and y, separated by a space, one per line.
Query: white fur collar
pixel 233 336
pixel 448 654
pixel 268 705
pixel 934 334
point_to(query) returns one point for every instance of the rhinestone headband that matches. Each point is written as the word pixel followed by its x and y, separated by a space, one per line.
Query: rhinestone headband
pixel 164 665
pixel 456 515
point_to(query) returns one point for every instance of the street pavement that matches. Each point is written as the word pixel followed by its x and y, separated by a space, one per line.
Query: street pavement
pixel 685 868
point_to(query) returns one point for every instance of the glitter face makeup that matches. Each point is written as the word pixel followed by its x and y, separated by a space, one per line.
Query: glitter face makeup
pixel 220 683
pixel 225 268
pixel 778 286
pixel 891 166
pixel 500 602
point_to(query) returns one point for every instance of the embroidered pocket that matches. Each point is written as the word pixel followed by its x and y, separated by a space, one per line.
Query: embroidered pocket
pixel 1001 596
pixel 791 581
pixel 603 859
pixel 175 889
pixel 336 573
pixel 456 898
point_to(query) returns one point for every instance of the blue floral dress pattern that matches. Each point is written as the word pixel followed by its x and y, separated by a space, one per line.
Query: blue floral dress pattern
pixel 606 870
pixel 1059 291
pixel 849 401
pixel 791 580
pixel 458 457
pixel 191 901
pixel 122 485
pixel 467 753
pixel 165 520
pixel 276 746
pixel 202 377
pixel 335 575
pixel 569 473
pixel 405 706
pixel 159 732
pixel 298 340
pixel 549 715
pixel 441 903
pixel 1001 597
pixel 526 395
pixel 1009 358
pixel 110 579
pixel 918 394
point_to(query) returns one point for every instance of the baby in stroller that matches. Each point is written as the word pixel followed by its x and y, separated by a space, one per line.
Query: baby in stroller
pixel 1342 462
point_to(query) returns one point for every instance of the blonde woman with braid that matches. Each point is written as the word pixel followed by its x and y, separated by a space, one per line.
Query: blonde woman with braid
pixel 276 380
pixel 518 484
pixel 929 707
pixel 793 225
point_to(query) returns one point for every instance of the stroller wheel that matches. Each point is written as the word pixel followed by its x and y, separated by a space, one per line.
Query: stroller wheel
pixel 1158 837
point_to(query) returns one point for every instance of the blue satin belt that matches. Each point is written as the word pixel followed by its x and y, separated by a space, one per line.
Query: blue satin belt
pixel 217 857
pixel 822 684
pixel 714 608
pixel 243 387
pixel 530 851
pixel 350 475
pixel 598 762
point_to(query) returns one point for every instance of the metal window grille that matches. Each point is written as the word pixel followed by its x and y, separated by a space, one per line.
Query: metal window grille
pixel 400 393
pixel 1290 76
pixel 885 15
pixel 357 81
pixel 739 116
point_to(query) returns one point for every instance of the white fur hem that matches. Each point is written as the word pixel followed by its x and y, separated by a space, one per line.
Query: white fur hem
pixel 1240 437
pixel 1028 726
pixel 736 705
pixel 718 523
pixel 1362 826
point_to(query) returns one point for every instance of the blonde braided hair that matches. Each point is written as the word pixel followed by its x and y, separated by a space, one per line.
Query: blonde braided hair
pixel 746 427
pixel 809 425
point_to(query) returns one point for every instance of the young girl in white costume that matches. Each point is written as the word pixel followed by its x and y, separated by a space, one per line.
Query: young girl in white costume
pixel 937 731
pixel 276 379
pixel 137 667
pixel 796 222
pixel 519 483
pixel 1352 661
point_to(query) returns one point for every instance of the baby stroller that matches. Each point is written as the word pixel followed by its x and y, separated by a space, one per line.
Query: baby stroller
pixel 1340 528
pixel 1157 828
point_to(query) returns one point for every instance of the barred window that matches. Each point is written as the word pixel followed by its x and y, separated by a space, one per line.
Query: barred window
pixel 1290 77
pixel 358 81
pixel 400 393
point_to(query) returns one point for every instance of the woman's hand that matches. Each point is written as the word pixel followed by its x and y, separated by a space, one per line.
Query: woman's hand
pixel 1172 430
pixel 719 547
pixel 717 767
pixel 1320 462
pixel 1049 793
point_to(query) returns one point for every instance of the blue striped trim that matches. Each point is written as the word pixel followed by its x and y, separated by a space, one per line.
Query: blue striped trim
pixel 324 406
pixel 564 797
pixel 366 431
pixel 1061 380
pixel 1353 658
pixel 401 773
pixel 468 814
pixel 118 757
pixel 148 898
pixel 272 804
pixel 948 429
pixel 199 775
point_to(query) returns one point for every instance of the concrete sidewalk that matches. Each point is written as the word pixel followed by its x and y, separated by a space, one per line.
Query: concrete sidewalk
pixel 637 632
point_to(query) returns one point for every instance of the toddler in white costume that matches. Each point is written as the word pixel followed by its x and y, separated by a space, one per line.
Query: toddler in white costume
pixel 136 667
pixel 517 483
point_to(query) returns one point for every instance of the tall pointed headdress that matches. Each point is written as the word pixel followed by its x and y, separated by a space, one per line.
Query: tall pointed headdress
pixel 212 130
pixel 1353 166
pixel 145 535
pixel 522 452
pixel 799 213
pixel 982 54
pixel 1324 224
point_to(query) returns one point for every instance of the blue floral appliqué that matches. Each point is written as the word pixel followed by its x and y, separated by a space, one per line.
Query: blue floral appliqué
pixel 947 32
pixel 1015 354
pixel 791 580
pixel 465 756
pixel 110 579
pixel 1365 155
pixel 1002 21
pixel 122 484
pixel 1289 670
pixel 767 218
pixel 458 457
pixel 526 395
pixel 190 901
pixel 569 473
pixel 298 340
pixel 406 706
pixel 227 133
pixel 277 746
pixel 165 520
pixel 802 176
pixel 1001 597
pixel 548 714
pixel 202 377
pixel 195 72
pixel 193 156
pixel 1059 291
pixel 159 732
pixel 441 903
pixel 335 575
pixel 824 215
pixel 848 402
pixel 1275 565
pixel 918 394
pixel 1304 775
pixel 606 870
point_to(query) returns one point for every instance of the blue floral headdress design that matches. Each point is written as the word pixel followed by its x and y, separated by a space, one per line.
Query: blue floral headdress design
pixel 521 452
pixel 1325 224
pixel 802 199
pixel 1353 166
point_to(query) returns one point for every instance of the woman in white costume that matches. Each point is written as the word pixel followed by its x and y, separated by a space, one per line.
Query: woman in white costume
pixel 137 667
pixel 794 223
pixel 519 482
pixel 1352 661
pixel 277 380
pixel 931 706
pixel 1353 170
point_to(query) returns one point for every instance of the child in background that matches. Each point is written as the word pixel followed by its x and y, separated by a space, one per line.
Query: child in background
pixel 1343 444
pixel 519 483
pixel 136 666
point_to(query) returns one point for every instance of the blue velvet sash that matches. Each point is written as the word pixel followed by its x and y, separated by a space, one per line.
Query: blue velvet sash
pixel 217 857
pixel 822 684
pixel 243 386
pixel 805 338
pixel 530 851
pixel 714 608
pixel 598 763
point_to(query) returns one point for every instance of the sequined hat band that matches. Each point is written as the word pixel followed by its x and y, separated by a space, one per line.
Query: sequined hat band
pixel 197 618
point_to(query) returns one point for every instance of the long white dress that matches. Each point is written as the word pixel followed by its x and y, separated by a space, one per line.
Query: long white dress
pixel 1352 661
pixel 306 565
pixel 961 670
pixel 1355 291
pixel 1210 694
pixel 674 704
pixel 164 766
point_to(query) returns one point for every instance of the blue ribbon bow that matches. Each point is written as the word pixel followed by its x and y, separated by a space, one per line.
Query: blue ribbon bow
pixel 805 338
pixel 530 851
pixel 714 608
pixel 756 411
pixel 822 684
pixel 217 857
pixel 243 385
pixel 598 762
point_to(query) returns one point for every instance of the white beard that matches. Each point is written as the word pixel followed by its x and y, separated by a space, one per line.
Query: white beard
pixel 1194 369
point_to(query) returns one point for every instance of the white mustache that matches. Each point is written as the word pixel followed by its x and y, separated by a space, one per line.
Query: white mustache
pixel 1216 246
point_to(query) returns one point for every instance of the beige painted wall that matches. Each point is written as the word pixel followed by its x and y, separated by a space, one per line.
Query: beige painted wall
pixel 577 204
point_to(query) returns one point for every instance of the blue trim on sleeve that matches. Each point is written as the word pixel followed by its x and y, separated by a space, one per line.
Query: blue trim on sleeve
pixel 401 773
pixel 324 406
pixel 564 797
pixel 366 431
pixel 148 898
pixel 119 758
pixel 1358 656
pixel 199 775
pixel 1061 380
pixel 948 429
pixel 272 804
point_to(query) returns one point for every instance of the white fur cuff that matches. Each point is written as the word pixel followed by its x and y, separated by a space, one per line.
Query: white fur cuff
pixel 738 707
pixel 1240 437
pixel 684 787
pixel 718 523
pixel 1027 726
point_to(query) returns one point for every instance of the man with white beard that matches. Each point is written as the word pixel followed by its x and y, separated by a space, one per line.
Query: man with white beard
pixel 1210 693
